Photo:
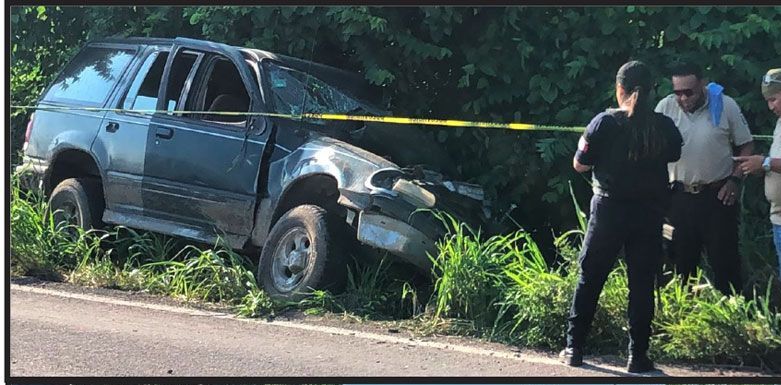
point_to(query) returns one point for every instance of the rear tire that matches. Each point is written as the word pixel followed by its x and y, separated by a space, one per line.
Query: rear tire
pixel 303 252
pixel 79 202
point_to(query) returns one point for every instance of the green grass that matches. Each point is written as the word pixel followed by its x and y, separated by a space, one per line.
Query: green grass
pixel 213 275
pixel 39 246
pixel 255 304
pixel 104 272
pixel 375 290
pixel 536 299
pixel 701 324
pixel 158 264
pixel 468 273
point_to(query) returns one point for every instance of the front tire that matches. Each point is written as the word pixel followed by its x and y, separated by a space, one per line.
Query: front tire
pixel 302 253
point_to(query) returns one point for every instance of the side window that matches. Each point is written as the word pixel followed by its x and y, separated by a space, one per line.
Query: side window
pixel 142 94
pixel 222 90
pixel 176 91
pixel 90 76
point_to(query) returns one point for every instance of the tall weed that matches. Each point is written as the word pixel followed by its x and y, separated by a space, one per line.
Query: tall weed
pixel 213 275
pixel 255 303
pixel 39 246
pixel 468 273
pixel 103 271
pixel 377 290
pixel 536 300
pixel 143 247
pixel 701 324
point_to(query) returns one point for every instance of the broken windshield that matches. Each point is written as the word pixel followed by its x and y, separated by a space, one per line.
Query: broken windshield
pixel 296 92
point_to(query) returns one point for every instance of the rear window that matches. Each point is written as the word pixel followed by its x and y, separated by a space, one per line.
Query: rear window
pixel 90 76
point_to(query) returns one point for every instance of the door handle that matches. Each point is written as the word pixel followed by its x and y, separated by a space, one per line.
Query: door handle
pixel 164 132
pixel 112 127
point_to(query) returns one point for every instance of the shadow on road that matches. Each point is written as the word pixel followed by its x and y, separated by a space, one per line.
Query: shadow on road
pixel 597 368
pixel 26 280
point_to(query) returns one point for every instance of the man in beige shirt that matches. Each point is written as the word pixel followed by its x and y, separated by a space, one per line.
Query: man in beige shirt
pixel 770 165
pixel 706 180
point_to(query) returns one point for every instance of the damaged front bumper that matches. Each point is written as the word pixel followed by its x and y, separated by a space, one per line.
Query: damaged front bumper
pixel 401 214
pixel 397 237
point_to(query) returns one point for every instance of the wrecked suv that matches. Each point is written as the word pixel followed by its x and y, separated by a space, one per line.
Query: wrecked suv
pixel 139 132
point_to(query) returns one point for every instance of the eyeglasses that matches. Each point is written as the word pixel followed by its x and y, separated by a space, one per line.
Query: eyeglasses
pixel 687 92
pixel 767 79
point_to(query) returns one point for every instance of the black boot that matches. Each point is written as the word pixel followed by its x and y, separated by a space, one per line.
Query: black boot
pixel 639 363
pixel 572 356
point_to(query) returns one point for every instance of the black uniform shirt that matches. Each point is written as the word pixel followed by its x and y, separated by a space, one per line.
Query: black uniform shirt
pixel 605 145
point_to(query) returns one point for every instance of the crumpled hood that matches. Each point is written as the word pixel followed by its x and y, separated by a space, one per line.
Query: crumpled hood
pixel 325 144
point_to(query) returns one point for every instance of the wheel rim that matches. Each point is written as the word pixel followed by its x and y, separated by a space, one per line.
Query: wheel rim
pixel 291 259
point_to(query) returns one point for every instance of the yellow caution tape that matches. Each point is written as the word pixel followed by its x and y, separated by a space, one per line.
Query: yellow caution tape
pixel 442 122
pixel 343 117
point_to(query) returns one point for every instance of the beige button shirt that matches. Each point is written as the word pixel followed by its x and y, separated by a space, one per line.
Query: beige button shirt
pixel 773 179
pixel 706 155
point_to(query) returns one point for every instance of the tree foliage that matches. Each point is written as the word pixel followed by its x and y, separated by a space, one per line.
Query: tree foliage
pixel 545 65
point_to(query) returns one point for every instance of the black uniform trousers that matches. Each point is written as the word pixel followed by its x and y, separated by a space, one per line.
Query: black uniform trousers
pixel 636 226
pixel 702 220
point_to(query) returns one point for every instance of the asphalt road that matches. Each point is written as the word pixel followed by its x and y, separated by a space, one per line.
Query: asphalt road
pixel 79 332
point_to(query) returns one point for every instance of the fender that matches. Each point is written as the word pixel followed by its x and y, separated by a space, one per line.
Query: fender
pixel 348 165
pixel 56 151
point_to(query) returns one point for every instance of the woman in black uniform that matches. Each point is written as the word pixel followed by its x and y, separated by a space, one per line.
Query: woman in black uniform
pixel 628 149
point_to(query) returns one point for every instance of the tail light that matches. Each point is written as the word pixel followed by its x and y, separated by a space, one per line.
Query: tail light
pixel 28 132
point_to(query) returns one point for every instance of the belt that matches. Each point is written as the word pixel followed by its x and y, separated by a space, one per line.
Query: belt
pixel 697 188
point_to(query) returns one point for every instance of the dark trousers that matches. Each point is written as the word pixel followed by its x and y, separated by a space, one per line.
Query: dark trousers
pixel 702 220
pixel 636 226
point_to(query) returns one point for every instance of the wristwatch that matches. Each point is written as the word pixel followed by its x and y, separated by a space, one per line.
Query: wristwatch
pixel 766 164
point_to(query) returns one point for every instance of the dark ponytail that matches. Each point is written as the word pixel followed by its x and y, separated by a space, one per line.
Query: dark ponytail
pixel 635 78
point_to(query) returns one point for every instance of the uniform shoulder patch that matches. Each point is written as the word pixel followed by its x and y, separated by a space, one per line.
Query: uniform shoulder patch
pixel 583 144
